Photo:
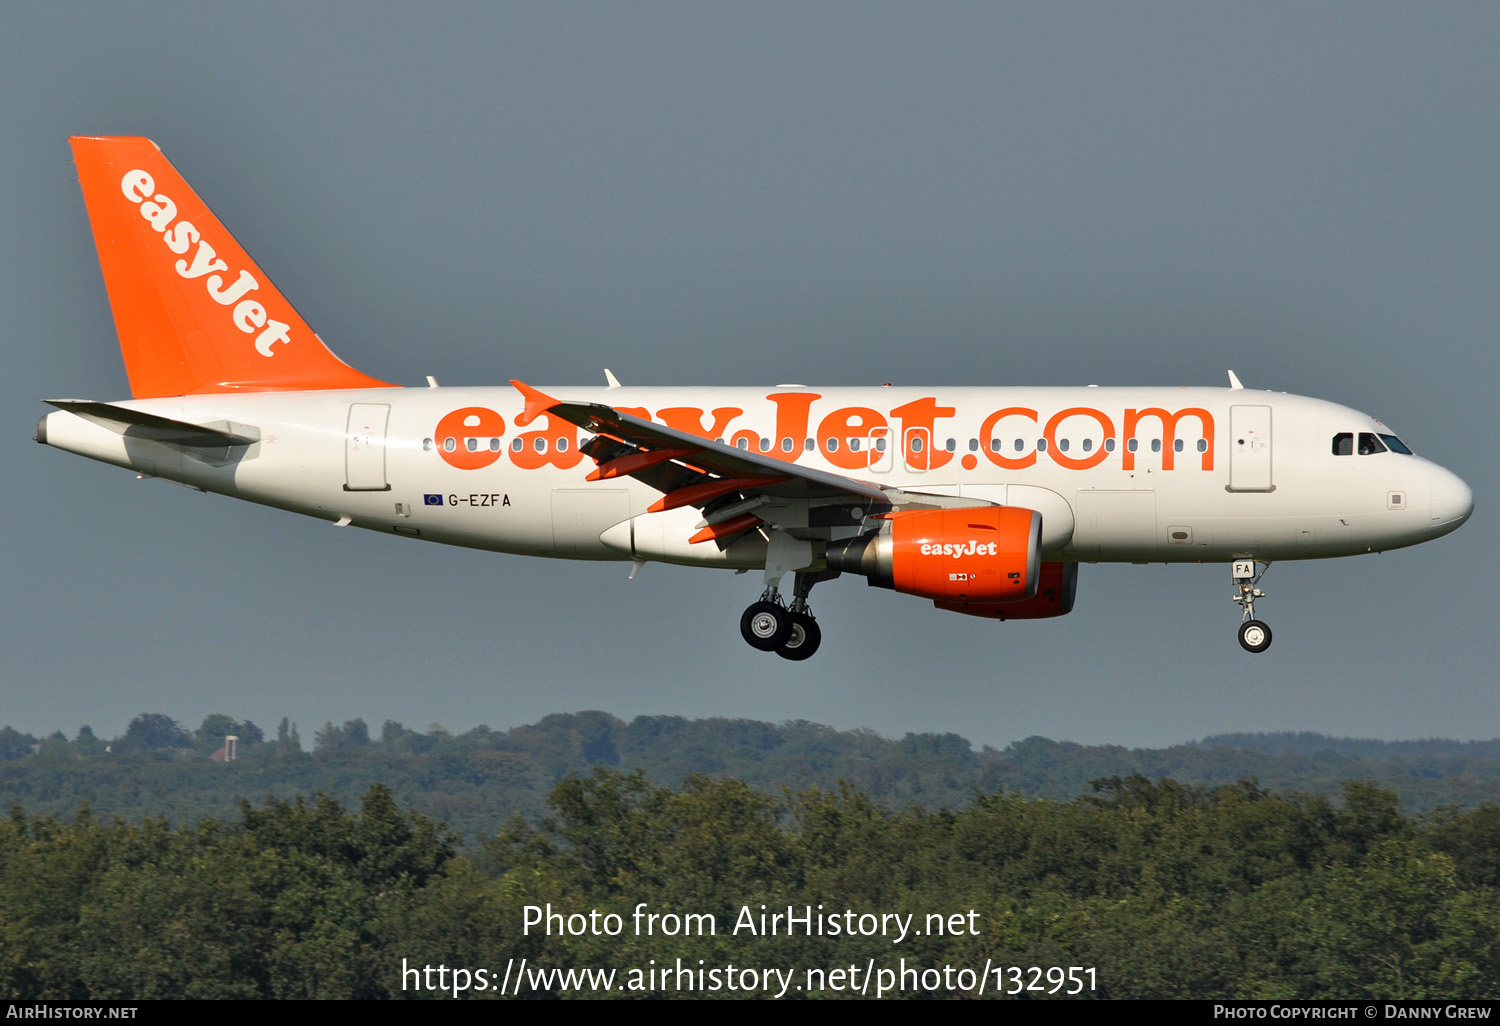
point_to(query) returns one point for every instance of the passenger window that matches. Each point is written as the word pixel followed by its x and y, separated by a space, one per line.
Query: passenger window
pixel 854 445
pixel 541 445
pixel 562 445
pixel 809 445
pixel 516 445
pixel 916 443
pixel 952 445
pixel 472 444
pixel 1062 445
pixel 426 445
pixel 742 442
pixel 1041 445
pixel 494 445
pixel 973 445
pixel 786 445
pixel 1132 445
pixel 765 445
pixel 1177 445
pixel 1088 445
pixel 1343 444
pixel 880 445
pixel 1203 445
pixel 449 444
pixel 1109 445
pixel 1020 444
pixel 1156 445
pixel 1369 445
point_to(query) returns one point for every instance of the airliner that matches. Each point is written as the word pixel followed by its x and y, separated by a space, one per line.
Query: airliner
pixel 982 500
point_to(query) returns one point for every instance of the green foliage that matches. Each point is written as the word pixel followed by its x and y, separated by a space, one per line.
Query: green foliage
pixel 1169 890
pixel 210 736
pixel 353 734
pixel 153 731
pixel 15 745
pixel 287 903
pixel 477 780
pixel 86 744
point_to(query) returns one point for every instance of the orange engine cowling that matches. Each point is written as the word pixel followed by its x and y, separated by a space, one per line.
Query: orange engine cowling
pixel 1054 597
pixel 978 554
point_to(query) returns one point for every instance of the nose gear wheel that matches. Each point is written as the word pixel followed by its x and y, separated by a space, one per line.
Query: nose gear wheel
pixel 1255 635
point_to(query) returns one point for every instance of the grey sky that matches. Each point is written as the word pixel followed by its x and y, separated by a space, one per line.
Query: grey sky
pixel 746 194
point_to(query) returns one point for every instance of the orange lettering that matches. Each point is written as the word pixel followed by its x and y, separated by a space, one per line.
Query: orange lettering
pixel 986 439
pixel 1169 434
pixel 1092 460
pixel 842 425
pixel 463 437
pixel 922 415
pixel 690 419
pixel 559 446
pixel 791 421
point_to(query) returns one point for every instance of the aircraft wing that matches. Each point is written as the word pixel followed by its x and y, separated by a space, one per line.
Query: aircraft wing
pixel 691 470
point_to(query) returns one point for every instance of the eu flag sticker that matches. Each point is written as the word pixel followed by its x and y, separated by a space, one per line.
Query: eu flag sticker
pixel 429 499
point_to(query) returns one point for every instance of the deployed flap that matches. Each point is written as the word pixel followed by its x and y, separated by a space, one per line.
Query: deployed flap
pixel 193 311
pixel 148 425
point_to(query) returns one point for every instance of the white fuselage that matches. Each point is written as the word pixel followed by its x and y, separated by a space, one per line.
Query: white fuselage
pixel 1119 474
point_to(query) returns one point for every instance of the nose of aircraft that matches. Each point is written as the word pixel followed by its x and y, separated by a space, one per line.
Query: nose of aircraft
pixel 1451 500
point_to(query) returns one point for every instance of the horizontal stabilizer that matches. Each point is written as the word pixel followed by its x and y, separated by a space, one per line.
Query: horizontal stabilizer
pixel 148 425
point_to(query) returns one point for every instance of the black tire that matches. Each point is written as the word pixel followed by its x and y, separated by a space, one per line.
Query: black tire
pixel 766 626
pixel 802 640
pixel 1255 636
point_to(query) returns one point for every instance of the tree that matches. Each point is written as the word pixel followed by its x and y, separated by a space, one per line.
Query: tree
pixel 15 745
pixel 86 743
pixel 353 734
pixel 150 731
pixel 216 727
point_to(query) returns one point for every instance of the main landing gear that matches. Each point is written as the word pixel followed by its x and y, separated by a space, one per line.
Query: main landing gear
pixel 1255 636
pixel 791 632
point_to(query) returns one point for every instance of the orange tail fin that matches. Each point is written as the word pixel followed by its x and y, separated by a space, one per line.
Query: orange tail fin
pixel 194 313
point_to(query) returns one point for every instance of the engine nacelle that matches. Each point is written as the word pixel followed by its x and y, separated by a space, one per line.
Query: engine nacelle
pixel 978 554
pixel 1054 597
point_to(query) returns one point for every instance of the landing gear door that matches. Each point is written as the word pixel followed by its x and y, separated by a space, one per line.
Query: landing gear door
pixel 364 448
pixel 1250 449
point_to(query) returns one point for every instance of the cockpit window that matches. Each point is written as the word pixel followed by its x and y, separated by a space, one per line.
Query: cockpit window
pixel 1396 445
pixel 1343 444
pixel 1369 445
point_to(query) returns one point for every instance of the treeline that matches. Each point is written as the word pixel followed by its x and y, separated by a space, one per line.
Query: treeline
pixel 476 780
pixel 1163 890
pixel 1309 743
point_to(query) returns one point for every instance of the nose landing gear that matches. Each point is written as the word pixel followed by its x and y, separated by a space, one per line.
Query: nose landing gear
pixel 1255 635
